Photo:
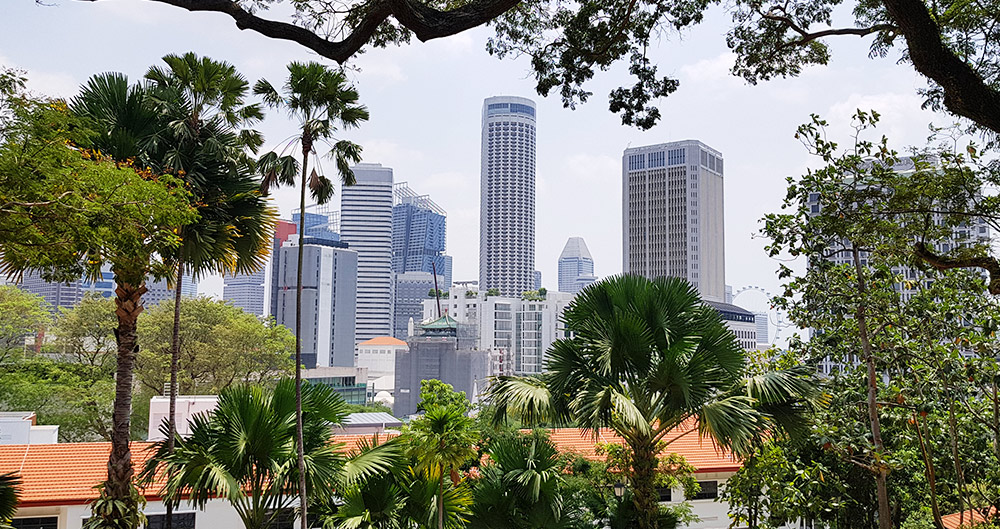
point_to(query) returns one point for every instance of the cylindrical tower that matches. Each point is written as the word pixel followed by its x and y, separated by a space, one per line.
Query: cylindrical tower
pixel 507 196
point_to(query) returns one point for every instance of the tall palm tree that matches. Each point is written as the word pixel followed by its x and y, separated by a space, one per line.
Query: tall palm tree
pixel 245 451
pixel 10 491
pixel 646 356
pixel 441 440
pixel 205 141
pixel 319 98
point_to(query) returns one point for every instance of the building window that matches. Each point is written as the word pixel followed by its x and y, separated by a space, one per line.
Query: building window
pixel 183 520
pixel 709 490
pixel 664 493
pixel 47 522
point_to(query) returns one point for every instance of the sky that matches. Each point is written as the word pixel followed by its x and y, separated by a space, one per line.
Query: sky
pixel 425 101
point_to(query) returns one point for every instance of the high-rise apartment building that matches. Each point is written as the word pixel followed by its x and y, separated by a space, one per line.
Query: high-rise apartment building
pixel 329 289
pixel 507 196
pixel 68 295
pixel 576 266
pixel 419 232
pixel 672 214
pixel 366 225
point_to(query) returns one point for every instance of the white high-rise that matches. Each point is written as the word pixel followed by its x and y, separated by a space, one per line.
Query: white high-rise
pixel 672 214
pixel 507 196
pixel 576 266
pixel 366 226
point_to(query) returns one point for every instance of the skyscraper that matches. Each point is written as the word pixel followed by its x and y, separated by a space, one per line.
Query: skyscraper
pixel 245 291
pixel 329 287
pixel 366 225
pixel 282 232
pixel 672 214
pixel 411 289
pixel 419 232
pixel 576 266
pixel 68 295
pixel 507 196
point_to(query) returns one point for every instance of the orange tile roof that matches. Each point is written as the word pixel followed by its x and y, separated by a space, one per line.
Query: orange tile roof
pixel 971 518
pixel 702 454
pixel 66 473
pixel 383 340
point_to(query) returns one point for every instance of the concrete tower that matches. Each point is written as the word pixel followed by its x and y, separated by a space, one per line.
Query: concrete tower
pixel 672 214
pixel 507 196
pixel 366 226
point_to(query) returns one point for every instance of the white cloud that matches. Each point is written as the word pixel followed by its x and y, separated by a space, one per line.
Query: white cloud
pixel 902 121
pixel 716 69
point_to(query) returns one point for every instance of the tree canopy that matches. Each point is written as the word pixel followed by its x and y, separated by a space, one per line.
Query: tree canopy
pixel 952 43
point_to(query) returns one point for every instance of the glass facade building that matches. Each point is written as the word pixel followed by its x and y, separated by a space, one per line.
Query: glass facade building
pixel 507 196
pixel 576 266
pixel 419 235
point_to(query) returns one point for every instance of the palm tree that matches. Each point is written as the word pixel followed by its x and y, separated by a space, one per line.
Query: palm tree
pixel 319 98
pixel 10 491
pixel 520 486
pixel 245 452
pixel 205 142
pixel 646 356
pixel 441 440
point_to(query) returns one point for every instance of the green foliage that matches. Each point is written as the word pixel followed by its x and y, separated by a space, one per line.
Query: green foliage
pixel 434 293
pixel 220 346
pixel 245 452
pixel 22 314
pixel 493 292
pixel 10 492
pixel 75 396
pixel 434 393
pixel 113 513
pixel 440 441
pixel 86 332
pixel 533 295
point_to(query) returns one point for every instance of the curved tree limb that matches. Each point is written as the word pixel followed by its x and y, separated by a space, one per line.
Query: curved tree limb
pixel 424 21
pixel 940 262
pixel 965 92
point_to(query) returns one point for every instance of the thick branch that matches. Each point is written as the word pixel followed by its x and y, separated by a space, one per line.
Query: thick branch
pixel 808 37
pixel 965 92
pixel 424 21
pixel 940 262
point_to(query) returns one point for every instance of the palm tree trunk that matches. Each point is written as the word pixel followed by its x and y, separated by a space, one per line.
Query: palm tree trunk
pixel 440 502
pixel 128 304
pixel 644 465
pixel 175 353
pixel 881 471
pixel 299 443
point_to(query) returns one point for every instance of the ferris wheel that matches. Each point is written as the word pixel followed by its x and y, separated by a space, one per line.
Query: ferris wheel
pixel 758 301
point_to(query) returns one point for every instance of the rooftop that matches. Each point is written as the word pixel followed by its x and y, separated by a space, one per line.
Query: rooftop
pixel 383 340
pixel 378 418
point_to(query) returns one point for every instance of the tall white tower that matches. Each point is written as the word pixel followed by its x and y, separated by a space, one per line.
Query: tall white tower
pixel 366 226
pixel 576 266
pixel 507 199
pixel 672 214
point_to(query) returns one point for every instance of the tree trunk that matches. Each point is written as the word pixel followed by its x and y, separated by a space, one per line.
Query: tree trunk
pixel 881 470
pixel 929 472
pixel 299 443
pixel 128 307
pixel 440 502
pixel 175 353
pixel 643 478
pixel 959 473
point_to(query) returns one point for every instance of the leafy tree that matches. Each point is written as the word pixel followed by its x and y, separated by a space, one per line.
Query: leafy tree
pixel 86 331
pixel 950 43
pixel 21 314
pixel 319 98
pixel 441 441
pixel 69 212
pixel 434 393
pixel 245 452
pixel 645 357
pixel 220 346
pixel 77 397
pixel 10 488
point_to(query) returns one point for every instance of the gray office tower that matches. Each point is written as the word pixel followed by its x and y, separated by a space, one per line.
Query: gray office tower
pixel 507 196
pixel 329 289
pixel 68 295
pixel 411 289
pixel 283 231
pixel 419 233
pixel 672 214
pixel 366 225
pixel 576 266
pixel 245 291
pixel 445 351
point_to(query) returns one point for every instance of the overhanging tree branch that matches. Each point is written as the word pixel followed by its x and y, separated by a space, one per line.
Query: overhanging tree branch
pixel 940 262
pixel 424 21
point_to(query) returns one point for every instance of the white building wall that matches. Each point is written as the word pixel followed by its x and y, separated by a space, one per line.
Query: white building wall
pixel 379 359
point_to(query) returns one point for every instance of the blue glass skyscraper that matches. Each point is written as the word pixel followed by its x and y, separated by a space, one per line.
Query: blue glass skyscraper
pixel 419 229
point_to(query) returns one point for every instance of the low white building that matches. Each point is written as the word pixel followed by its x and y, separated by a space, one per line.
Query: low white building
pixel 517 331
pixel 186 408
pixel 378 355
pixel 20 427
